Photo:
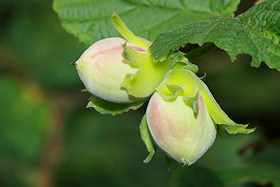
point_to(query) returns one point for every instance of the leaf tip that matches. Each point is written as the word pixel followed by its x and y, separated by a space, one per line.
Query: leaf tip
pixel 149 157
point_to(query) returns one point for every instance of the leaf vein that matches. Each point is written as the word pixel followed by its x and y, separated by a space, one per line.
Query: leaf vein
pixel 247 34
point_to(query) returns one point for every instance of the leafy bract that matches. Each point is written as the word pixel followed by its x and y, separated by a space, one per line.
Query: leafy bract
pixel 106 107
pixel 147 138
pixel 185 83
pixel 256 32
pixel 139 84
pixel 91 20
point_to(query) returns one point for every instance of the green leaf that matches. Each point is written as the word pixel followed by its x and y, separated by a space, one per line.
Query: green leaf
pixel 147 138
pixel 256 32
pixel 106 107
pixel 91 20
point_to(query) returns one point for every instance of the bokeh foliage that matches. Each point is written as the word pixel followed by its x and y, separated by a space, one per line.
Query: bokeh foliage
pixel 48 138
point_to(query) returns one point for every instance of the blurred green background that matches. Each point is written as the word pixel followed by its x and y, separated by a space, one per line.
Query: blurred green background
pixel 48 138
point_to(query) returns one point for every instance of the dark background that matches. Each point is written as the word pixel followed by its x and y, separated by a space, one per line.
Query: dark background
pixel 48 138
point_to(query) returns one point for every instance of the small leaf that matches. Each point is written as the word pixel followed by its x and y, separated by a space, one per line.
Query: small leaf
pixel 106 107
pixel 256 32
pixel 238 129
pixel 147 139
pixel 168 161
